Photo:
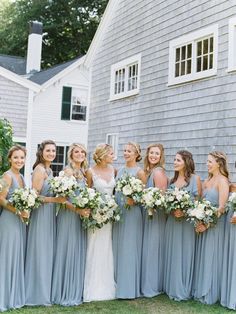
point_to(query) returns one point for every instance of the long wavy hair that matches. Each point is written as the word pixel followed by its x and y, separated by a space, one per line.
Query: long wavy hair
pixel 161 163
pixel 84 164
pixel 221 159
pixel 39 153
pixel 189 166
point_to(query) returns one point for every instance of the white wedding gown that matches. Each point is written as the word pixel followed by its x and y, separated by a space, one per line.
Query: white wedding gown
pixel 99 283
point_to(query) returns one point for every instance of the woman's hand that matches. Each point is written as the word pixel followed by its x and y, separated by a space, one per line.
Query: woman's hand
pixel 178 213
pixel 233 218
pixel 130 201
pixel 84 212
pixel 200 228
pixel 24 214
pixel 60 199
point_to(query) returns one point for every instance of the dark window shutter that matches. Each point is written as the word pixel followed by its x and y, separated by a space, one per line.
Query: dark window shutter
pixel 66 103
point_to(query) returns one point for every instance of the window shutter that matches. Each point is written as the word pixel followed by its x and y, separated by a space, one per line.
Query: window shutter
pixel 66 103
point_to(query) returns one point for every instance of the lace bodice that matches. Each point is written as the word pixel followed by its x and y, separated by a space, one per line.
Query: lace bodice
pixel 102 185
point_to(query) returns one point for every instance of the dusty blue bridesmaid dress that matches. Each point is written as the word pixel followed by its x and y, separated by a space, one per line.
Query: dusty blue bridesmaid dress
pixel 228 282
pixel 209 257
pixel 69 265
pixel 127 246
pixel 40 251
pixel 12 255
pixel 180 252
pixel 153 251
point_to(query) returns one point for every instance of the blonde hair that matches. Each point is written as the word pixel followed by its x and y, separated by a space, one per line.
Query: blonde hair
pixel 137 149
pixel 84 164
pixel 161 162
pixel 100 152
pixel 221 159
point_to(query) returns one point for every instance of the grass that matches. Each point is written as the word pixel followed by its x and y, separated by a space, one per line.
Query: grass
pixel 161 304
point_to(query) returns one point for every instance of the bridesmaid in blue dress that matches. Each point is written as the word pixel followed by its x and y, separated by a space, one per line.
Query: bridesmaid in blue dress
pixel 42 231
pixel 180 235
pixel 228 286
pixel 12 236
pixel 69 265
pixel 153 229
pixel 127 235
pixel 210 244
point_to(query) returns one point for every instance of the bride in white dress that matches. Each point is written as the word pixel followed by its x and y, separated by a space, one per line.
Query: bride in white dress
pixel 99 281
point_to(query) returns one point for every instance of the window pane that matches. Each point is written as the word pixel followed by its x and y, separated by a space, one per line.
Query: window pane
pixel 182 68
pixel 211 44
pixel 199 64
pixel 189 66
pixel 199 48
pixel 66 103
pixel 177 69
pixel 177 54
pixel 183 52
pixel 205 46
pixel 205 62
pixel 189 55
pixel 211 61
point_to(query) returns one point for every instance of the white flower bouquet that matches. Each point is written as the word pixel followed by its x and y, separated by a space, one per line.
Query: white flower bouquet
pixel 153 200
pixel 130 187
pixel 178 200
pixel 25 199
pixel 88 198
pixel 107 211
pixel 231 204
pixel 63 185
pixel 202 212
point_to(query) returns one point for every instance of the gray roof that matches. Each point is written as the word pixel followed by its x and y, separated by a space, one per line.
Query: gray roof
pixel 43 76
pixel 14 64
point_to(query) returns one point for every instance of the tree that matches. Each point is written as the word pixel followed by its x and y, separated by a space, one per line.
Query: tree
pixel 5 143
pixel 68 26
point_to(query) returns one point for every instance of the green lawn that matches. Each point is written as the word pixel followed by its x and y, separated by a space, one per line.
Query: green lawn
pixel 161 304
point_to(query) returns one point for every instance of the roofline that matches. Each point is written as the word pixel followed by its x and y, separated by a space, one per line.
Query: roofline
pixel 62 73
pixel 19 79
pixel 100 30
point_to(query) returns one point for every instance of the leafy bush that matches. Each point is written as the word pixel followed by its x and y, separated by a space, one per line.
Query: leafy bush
pixel 5 143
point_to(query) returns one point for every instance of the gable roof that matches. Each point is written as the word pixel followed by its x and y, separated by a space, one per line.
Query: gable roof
pixel 14 64
pixel 45 75
pixel 106 18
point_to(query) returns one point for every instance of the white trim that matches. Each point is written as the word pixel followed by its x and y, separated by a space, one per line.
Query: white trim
pixel 97 39
pixel 115 138
pixel 232 45
pixel 19 80
pixel 63 73
pixel 120 65
pixel 187 39
pixel 18 139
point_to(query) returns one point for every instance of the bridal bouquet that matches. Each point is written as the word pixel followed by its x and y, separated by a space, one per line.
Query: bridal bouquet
pixel 178 200
pixel 130 187
pixel 153 200
pixel 107 211
pixel 203 212
pixel 63 185
pixel 25 199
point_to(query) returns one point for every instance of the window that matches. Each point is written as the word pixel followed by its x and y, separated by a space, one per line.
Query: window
pixel 232 45
pixel 73 104
pixel 112 139
pixel 193 56
pixel 125 78
pixel 61 159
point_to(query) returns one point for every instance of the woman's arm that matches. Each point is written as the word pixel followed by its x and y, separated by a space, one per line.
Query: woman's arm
pixel 199 186
pixel 39 175
pixel 142 176
pixel 223 188
pixel 89 178
pixel 160 179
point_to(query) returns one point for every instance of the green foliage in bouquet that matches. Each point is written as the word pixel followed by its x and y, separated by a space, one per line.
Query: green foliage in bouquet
pixel 5 143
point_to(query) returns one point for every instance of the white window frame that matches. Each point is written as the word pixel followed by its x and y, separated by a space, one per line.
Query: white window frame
pixel 54 163
pixel 124 64
pixel 193 38
pixel 232 45
pixel 113 142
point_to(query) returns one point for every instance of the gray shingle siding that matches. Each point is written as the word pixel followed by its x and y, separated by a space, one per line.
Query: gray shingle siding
pixel 199 115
